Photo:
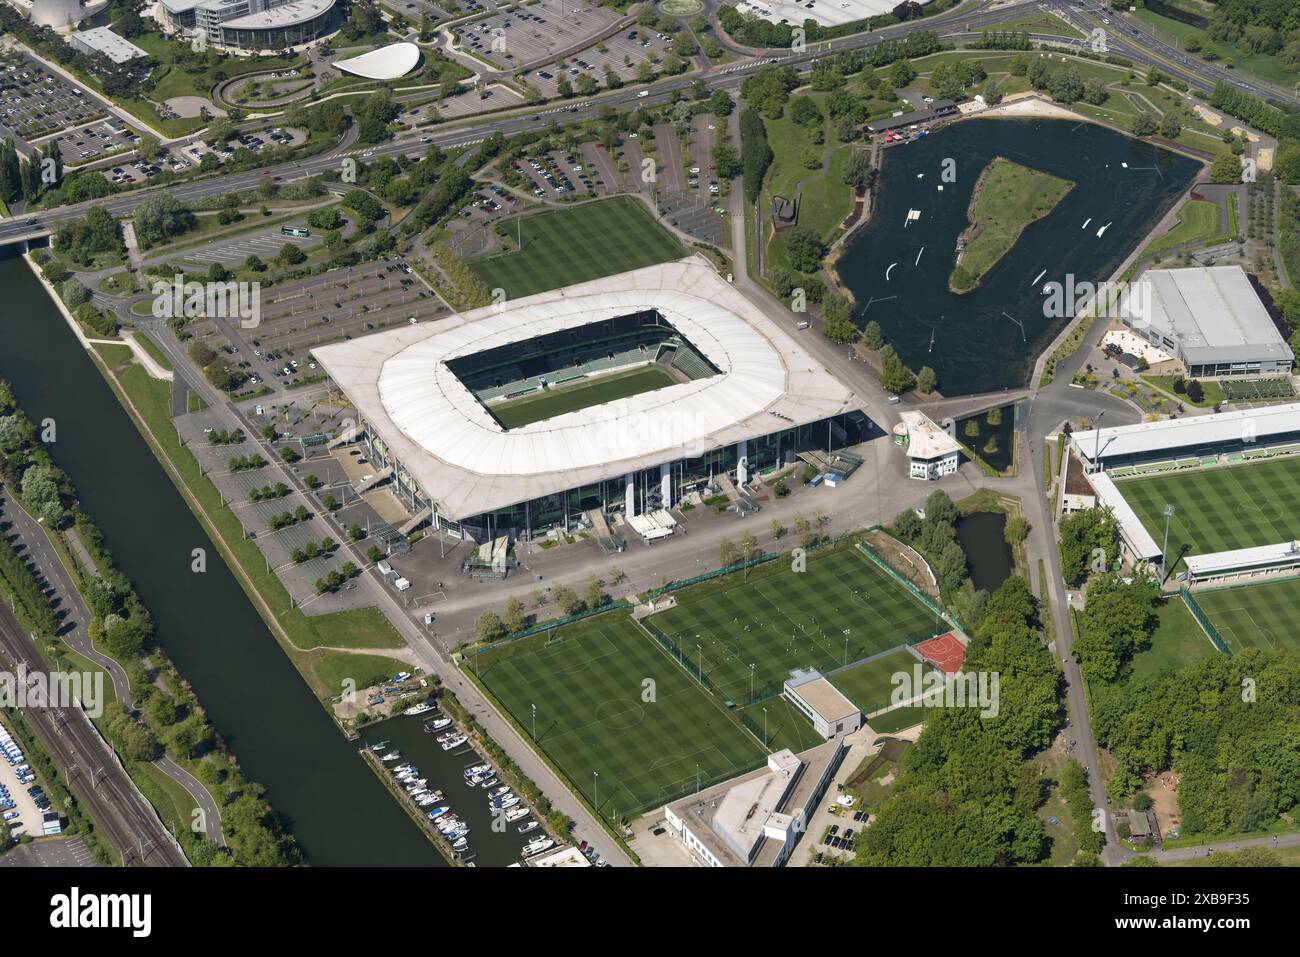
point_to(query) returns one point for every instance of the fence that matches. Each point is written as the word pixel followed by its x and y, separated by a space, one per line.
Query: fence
pixel 549 624
pixel 1203 620
pixel 679 656
pixel 922 596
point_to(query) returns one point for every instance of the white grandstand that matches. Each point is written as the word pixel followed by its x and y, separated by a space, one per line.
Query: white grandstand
pixel 747 397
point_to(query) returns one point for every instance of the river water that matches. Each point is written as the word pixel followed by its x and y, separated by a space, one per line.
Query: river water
pixel 990 338
pixel 338 810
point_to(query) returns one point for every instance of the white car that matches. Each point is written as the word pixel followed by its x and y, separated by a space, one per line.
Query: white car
pixel 846 800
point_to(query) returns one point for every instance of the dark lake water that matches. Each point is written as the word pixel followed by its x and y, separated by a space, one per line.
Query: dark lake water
pixel 990 338
pixel 338 810
pixel 982 537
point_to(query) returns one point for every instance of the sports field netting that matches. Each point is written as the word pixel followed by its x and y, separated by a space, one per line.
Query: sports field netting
pixel 570 246
pixel 1255 616
pixel 841 609
pixel 1239 506
pixel 649 744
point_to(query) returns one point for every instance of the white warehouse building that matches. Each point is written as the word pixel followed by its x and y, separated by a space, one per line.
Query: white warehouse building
pixel 1210 319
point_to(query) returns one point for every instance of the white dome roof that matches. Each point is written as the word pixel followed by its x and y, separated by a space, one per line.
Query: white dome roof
pixel 386 63
pixel 58 14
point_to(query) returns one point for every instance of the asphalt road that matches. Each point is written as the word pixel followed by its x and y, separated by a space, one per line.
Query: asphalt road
pixel 1144 51
pixel 128 822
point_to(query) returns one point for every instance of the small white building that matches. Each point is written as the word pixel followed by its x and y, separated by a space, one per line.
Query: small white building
pixel 822 703
pixel 105 41
pixel 932 451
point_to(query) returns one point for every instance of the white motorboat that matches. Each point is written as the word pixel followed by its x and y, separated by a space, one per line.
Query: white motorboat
pixel 527 826
pixel 422 708
pixel 515 813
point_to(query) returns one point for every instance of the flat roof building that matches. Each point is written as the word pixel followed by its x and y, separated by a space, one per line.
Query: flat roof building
pixel 745 397
pixel 830 712
pixel 105 41
pixel 933 111
pixel 1171 439
pixel 933 453
pixel 756 820
pixel 1210 318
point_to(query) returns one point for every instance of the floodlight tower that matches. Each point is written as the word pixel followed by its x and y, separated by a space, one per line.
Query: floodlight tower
pixel 1164 556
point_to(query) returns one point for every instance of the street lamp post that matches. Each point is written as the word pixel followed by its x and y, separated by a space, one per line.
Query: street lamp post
pixel 1164 557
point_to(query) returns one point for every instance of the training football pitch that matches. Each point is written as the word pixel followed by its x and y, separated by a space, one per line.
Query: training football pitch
pixel 1219 509
pixel 582 395
pixel 623 721
pixel 870 685
pixel 576 245
pixel 842 608
pixel 1255 616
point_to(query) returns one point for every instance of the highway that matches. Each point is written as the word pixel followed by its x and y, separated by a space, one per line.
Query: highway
pixel 127 822
pixel 1141 49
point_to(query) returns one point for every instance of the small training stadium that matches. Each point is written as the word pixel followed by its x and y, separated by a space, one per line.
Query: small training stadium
pixel 1229 486
pixel 619 395
pixel 637 713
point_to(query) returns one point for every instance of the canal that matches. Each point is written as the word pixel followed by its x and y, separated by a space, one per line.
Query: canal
pixel 338 810
pixel 989 339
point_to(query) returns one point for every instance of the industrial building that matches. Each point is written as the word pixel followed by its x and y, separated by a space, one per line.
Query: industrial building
pixel 104 41
pixel 1210 319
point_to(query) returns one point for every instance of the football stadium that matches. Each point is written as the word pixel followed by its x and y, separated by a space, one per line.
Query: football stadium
pixel 619 395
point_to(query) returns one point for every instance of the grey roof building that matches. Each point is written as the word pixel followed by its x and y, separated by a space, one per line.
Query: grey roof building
pixel 105 41
pixel 1209 318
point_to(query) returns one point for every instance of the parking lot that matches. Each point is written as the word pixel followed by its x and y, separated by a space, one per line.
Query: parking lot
pixel 21 810
pixel 415 9
pixel 619 54
pixel 496 97
pixel 34 101
pixel 264 243
pixel 303 313
pixel 534 33
pixel 93 141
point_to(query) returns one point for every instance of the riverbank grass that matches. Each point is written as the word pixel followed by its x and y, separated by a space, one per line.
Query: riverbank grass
pixel 148 402
pixel 1007 198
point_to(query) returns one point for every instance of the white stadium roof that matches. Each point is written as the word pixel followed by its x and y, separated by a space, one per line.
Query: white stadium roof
pixel 1192 432
pixel 399 381
pixel 386 63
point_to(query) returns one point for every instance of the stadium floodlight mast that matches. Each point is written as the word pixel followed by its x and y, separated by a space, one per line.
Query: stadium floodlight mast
pixel 1096 453
pixel 1164 557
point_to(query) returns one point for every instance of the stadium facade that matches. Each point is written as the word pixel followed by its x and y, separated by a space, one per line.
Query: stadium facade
pixel 248 26
pixel 739 397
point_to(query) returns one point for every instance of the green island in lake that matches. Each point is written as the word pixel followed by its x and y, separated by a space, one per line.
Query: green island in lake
pixel 1006 199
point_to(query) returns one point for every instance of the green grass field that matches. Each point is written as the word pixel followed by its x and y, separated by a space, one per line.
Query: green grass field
pixel 1177 641
pixel 781 726
pixel 1219 509
pixel 868 685
pixel 611 702
pixel 569 246
pixel 841 609
pixel 1255 616
pixel 581 395
pixel 1198 222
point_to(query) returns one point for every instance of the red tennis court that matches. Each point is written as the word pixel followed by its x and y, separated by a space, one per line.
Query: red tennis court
pixel 946 651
